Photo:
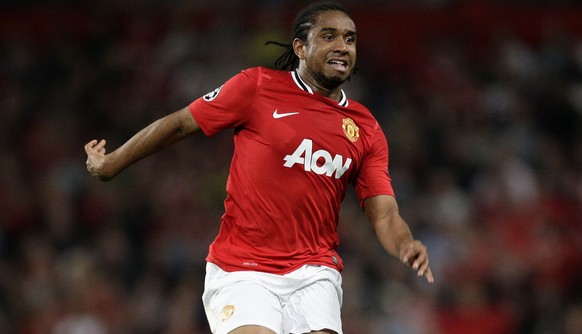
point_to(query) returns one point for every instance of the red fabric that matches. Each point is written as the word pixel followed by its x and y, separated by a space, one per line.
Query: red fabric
pixel 289 174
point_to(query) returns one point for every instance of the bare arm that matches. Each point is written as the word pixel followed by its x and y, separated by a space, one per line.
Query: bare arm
pixel 156 136
pixel 395 236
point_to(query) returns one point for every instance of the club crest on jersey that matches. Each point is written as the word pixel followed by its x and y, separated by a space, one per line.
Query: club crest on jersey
pixel 351 130
pixel 212 95
pixel 227 312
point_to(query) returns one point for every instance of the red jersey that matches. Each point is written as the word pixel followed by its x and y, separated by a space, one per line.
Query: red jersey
pixel 295 152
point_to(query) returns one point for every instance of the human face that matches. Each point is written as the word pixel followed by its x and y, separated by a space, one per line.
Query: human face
pixel 328 57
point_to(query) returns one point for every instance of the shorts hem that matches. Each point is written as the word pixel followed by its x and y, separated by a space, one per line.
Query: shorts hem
pixel 332 328
pixel 235 325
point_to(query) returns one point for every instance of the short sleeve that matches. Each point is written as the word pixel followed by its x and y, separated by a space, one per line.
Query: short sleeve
pixel 228 106
pixel 373 178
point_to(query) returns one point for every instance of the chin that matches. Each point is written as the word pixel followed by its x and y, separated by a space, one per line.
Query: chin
pixel 329 81
pixel 333 81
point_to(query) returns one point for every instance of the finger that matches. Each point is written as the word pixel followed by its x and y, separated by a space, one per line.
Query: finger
pixel 428 275
pixel 90 145
pixel 407 254
pixel 100 146
pixel 412 256
pixel 423 266
pixel 421 259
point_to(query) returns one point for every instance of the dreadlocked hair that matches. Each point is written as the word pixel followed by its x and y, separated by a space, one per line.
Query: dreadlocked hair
pixel 303 22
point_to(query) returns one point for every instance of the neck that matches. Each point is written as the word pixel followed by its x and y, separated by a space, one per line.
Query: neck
pixel 323 86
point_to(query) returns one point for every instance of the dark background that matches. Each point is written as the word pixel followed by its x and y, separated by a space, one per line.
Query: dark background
pixel 481 102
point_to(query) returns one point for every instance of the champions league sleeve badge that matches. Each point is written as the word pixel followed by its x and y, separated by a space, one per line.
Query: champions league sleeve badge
pixel 212 95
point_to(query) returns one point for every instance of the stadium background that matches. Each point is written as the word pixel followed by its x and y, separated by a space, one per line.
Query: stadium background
pixel 481 101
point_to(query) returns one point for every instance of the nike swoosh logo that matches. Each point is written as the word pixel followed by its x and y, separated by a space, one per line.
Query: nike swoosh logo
pixel 277 115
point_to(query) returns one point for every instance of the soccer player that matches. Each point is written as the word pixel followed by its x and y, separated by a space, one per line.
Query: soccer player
pixel 299 142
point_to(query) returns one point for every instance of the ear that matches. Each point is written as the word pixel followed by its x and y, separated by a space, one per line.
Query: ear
pixel 299 48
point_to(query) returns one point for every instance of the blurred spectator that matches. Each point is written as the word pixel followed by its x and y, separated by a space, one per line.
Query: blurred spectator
pixel 481 102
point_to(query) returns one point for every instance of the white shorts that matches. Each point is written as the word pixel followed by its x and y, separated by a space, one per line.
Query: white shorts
pixel 303 300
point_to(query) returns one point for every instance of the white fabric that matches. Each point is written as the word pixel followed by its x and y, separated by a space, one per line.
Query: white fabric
pixel 306 299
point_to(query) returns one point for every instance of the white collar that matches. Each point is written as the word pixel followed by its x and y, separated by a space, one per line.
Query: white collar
pixel 302 85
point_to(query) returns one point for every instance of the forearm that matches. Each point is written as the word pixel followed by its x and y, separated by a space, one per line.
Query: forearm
pixel 392 233
pixel 144 143
pixel 156 136
pixel 391 230
pixel 395 236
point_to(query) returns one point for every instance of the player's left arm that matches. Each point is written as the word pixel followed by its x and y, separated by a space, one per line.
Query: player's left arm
pixel 395 236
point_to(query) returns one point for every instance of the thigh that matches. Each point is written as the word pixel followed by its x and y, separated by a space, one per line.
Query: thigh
pixel 251 329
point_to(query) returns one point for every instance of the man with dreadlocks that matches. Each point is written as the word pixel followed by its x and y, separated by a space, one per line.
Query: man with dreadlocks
pixel 299 141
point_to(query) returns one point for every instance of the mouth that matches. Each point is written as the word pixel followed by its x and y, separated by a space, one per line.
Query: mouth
pixel 338 64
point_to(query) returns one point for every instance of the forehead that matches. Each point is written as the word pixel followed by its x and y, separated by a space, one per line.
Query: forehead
pixel 334 19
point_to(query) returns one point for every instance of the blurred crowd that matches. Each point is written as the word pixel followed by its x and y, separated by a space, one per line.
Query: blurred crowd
pixel 484 124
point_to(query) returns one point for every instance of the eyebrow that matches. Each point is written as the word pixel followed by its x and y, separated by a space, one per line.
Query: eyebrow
pixel 350 32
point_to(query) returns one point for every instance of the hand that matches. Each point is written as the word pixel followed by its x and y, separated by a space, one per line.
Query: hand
pixel 415 255
pixel 96 159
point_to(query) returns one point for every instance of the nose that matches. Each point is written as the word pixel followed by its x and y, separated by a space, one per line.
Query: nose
pixel 341 46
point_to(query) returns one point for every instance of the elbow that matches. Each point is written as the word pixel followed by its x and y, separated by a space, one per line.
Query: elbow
pixel 187 126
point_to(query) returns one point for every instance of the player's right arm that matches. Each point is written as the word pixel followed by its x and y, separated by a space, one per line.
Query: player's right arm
pixel 156 136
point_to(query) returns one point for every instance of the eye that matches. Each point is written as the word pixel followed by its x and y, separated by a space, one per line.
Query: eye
pixel 328 37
